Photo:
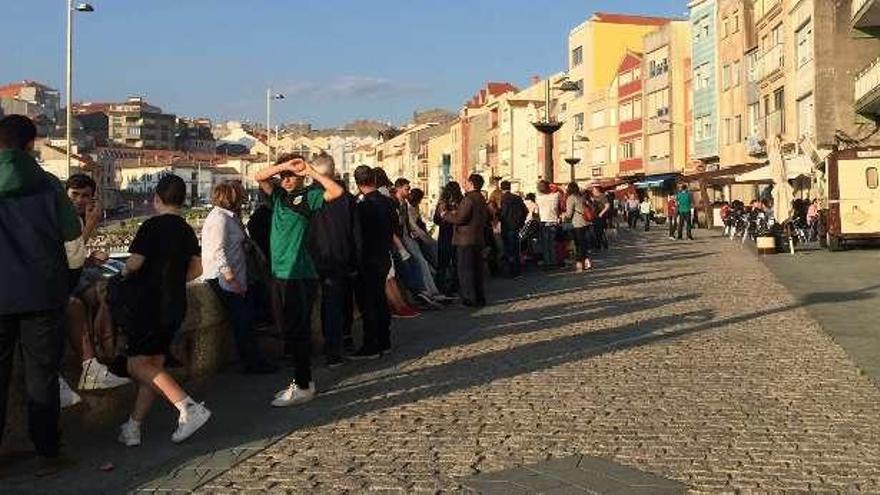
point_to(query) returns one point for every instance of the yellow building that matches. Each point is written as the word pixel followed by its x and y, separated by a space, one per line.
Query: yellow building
pixel 595 49
pixel 439 163
pixel 518 141
pixel 600 160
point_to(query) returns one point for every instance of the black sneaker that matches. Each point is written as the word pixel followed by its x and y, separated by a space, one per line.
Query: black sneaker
pixel 335 361
pixel 364 355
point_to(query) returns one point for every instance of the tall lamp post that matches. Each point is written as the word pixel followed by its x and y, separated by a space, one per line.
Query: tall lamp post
pixel 572 160
pixel 549 126
pixel 269 97
pixel 71 8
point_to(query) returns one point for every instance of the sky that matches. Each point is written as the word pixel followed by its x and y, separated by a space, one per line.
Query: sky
pixel 334 60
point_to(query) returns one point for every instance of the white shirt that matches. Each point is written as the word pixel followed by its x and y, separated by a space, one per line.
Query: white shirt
pixel 223 240
pixel 548 207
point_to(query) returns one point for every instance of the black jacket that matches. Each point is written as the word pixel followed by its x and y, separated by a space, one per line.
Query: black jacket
pixel 335 238
pixel 513 212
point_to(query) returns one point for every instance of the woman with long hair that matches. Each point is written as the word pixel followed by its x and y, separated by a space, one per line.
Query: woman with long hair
pixel 450 198
pixel 576 213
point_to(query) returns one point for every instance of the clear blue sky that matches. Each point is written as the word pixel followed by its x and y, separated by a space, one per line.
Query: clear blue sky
pixel 336 60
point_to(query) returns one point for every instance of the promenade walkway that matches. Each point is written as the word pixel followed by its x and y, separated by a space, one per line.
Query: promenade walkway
pixel 686 361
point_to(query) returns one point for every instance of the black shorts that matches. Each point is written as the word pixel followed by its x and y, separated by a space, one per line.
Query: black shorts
pixel 150 337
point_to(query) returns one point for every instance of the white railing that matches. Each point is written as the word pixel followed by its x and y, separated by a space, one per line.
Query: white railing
pixel 857 6
pixel 769 62
pixel 868 80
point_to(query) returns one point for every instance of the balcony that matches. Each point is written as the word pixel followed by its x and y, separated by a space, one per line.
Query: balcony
pixel 769 63
pixel 866 14
pixel 867 93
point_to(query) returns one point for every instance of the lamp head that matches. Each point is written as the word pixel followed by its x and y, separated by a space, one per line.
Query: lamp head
pixel 84 7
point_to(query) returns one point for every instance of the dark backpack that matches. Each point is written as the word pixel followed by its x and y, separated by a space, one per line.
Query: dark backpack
pixel 333 237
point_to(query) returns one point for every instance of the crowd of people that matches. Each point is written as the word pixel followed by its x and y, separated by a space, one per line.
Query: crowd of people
pixel 309 243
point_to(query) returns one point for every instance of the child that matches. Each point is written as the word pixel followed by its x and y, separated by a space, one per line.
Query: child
pixel 164 257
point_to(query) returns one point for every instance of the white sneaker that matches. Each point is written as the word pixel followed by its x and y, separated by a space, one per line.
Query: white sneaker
pixel 67 397
pixel 294 395
pixel 195 417
pixel 96 376
pixel 284 390
pixel 129 435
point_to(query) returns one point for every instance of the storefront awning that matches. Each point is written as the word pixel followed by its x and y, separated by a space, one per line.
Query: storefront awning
pixel 726 172
pixel 795 167
pixel 655 181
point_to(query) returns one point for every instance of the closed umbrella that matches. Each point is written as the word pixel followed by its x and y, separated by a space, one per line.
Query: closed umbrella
pixel 782 193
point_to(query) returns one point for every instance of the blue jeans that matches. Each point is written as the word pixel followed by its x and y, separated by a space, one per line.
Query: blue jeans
pixel 409 273
pixel 240 309
pixel 548 243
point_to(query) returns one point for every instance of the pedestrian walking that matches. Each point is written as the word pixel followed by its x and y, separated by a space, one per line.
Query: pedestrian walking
pixel 512 216
pixel 375 213
pixel 603 211
pixel 447 278
pixel 684 203
pixel 646 212
pixel 165 255
pixel 671 215
pixel 224 262
pixel 469 238
pixel 40 239
pixel 334 244
pixel 293 206
pixel 548 214
pixel 579 212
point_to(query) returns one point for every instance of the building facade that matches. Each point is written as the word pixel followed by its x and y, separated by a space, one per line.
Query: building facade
pixel 137 124
pixel 703 14
pixel 630 91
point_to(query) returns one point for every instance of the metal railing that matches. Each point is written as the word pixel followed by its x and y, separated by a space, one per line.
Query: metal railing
pixel 868 80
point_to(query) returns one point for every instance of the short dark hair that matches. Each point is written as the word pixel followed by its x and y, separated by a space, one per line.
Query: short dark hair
pixel 81 181
pixel 572 189
pixel 477 181
pixel 286 157
pixel 17 132
pixel 171 190
pixel 364 176
pixel 416 195
pixel 401 181
pixel 382 179
pixel 505 185
pixel 530 196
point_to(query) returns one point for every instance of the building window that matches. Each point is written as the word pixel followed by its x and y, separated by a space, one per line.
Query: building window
pixel 804 48
pixel 631 149
pixel 776 35
pixel 580 91
pixel 726 25
pixel 600 154
pixel 736 22
pixel 735 73
pixel 725 77
pixel 738 128
pixel 597 120
pixel 626 111
pixel 658 146
pixel 871 177
pixel 806 116
pixel 658 103
pixel 637 108
pixel 579 122
pixel 577 56
pixel 625 78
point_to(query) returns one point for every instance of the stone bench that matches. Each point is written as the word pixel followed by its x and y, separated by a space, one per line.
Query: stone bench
pixel 204 346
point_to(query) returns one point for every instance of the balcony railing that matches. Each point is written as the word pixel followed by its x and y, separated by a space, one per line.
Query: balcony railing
pixel 769 62
pixel 868 80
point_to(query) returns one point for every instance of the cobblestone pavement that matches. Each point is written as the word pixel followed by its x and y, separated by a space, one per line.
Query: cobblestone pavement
pixel 687 360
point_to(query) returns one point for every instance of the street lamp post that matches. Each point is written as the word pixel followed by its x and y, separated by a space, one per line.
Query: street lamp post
pixel 80 7
pixel 572 160
pixel 269 98
pixel 548 126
